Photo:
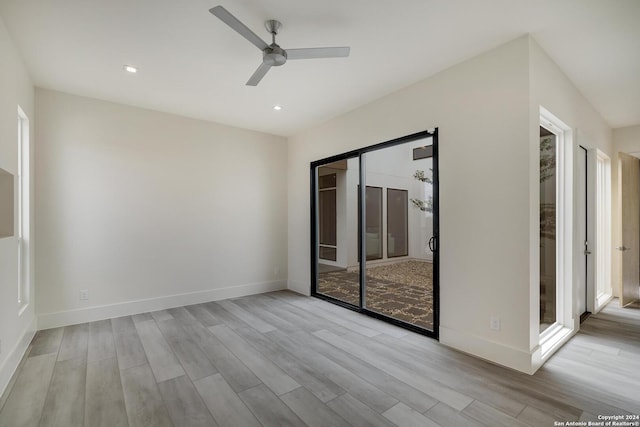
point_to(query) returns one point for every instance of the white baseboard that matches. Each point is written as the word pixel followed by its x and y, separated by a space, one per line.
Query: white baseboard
pixel 602 301
pixel 500 354
pixel 128 308
pixel 11 363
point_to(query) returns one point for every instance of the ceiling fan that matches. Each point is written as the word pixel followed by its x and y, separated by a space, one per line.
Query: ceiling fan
pixel 272 54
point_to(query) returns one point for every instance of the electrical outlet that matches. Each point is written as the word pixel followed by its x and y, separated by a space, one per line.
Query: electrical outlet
pixel 84 295
pixel 494 323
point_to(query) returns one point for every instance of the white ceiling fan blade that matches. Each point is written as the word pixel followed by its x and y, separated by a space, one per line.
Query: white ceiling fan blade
pixel 318 52
pixel 258 75
pixel 226 17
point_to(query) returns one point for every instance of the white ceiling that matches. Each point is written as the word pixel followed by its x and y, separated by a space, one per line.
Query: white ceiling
pixel 192 64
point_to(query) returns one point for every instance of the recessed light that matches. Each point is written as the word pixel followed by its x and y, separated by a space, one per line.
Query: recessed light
pixel 277 107
pixel 130 69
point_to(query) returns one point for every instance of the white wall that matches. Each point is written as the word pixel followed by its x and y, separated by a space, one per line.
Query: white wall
pixel 552 89
pixel 482 111
pixel 16 89
pixel 625 140
pixel 147 210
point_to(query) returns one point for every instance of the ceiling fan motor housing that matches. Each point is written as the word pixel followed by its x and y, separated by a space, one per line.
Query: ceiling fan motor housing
pixel 274 55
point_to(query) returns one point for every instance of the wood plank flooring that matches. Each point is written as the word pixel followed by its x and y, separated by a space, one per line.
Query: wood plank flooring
pixel 281 359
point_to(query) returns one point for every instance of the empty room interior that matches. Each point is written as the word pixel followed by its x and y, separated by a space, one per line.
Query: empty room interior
pixel 284 213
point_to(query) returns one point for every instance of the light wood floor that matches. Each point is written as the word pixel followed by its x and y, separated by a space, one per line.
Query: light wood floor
pixel 281 359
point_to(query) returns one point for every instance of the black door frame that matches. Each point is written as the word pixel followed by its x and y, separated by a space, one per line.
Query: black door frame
pixel 586 313
pixel 362 254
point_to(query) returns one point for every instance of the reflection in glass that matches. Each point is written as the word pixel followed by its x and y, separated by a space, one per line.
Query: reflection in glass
pixel 547 228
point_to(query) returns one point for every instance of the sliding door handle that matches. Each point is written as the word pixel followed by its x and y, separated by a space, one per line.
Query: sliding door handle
pixel 623 248
pixel 432 244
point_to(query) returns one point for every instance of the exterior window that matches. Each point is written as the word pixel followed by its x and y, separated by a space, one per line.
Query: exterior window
pixel 548 183
pixel 373 197
pixel 397 223
pixel 603 227
pixel 23 210
pixel 556 261
pixel 328 220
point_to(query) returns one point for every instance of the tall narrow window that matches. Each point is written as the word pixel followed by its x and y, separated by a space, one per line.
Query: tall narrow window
pixel 603 227
pixel 373 197
pixel 328 219
pixel 397 223
pixel 23 209
pixel 556 261
pixel 548 184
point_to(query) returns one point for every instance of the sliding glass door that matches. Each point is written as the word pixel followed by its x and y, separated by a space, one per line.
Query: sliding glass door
pixel 374 231
pixel 399 284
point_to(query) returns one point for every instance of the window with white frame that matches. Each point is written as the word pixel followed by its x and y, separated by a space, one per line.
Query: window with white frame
pixel 556 229
pixel 603 227
pixel 23 210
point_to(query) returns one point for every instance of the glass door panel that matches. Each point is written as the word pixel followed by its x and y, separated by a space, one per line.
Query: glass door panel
pixel 337 258
pixel 399 284
pixel 548 185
